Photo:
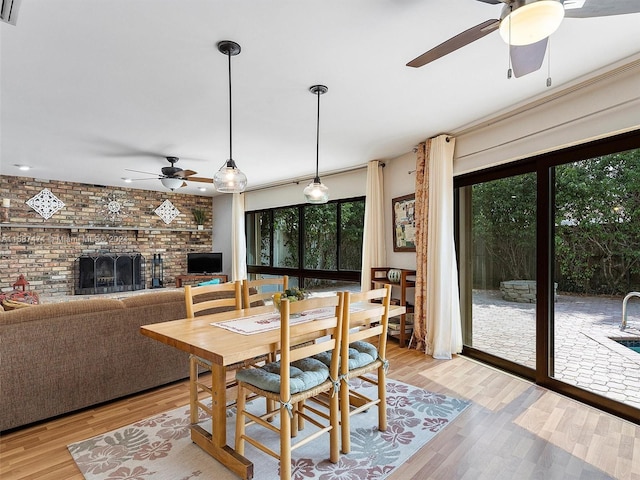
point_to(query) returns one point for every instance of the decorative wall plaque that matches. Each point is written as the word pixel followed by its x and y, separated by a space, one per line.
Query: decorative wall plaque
pixel 112 209
pixel 45 203
pixel 167 211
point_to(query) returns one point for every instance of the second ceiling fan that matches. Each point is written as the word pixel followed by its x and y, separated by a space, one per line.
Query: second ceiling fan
pixel 525 26
pixel 174 177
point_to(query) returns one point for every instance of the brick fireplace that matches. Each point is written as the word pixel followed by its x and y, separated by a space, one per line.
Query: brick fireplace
pixel 47 251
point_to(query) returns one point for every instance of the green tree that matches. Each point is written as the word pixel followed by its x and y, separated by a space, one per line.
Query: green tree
pixel 598 222
pixel 287 231
pixel 320 239
pixel 504 224
pixel 351 235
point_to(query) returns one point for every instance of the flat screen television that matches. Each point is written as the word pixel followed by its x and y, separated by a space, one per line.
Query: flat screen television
pixel 206 263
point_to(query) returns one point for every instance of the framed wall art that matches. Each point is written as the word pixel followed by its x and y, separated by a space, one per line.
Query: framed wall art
pixel 404 223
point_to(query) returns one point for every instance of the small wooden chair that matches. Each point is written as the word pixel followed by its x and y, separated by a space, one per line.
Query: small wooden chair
pixel 359 357
pixel 203 300
pixel 295 378
pixel 250 299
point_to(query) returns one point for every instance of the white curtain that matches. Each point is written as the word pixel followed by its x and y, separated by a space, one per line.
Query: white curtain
pixel 442 305
pixel 238 240
pixel 373 244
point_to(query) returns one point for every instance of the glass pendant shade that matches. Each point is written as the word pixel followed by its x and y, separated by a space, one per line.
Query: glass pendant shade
pixel 316 192
pixel 531 22
pixel 172 183
pixel 229 179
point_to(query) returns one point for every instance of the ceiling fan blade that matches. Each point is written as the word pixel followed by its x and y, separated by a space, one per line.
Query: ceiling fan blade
pixel 138 171
pixel 599 8
pixel 188 173
pixel 454 43
pixel 139 179
pixel 200 179
pixel 492 2
pixel 527 58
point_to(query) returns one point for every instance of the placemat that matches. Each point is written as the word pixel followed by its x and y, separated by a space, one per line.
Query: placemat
pixel 264 322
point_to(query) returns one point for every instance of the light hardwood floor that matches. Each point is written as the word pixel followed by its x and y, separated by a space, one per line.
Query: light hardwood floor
pixel 513 430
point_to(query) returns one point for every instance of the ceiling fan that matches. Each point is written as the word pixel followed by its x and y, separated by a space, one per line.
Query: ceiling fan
pixel 526 25
pixel 173 177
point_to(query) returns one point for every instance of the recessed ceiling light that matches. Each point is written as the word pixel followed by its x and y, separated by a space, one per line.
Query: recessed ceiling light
pixel 126 180
pixel 24 168
pixel 202 189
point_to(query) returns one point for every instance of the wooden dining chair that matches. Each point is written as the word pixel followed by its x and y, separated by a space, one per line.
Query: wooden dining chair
pixel 259 295
pixel 359 357
pixel 296 377
pixel 204 300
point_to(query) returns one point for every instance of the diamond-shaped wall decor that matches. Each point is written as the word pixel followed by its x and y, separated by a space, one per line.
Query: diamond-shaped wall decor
pixel 167 211
pixel 45 203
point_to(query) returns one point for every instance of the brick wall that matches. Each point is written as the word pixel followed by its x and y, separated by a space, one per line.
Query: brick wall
pixel 45 250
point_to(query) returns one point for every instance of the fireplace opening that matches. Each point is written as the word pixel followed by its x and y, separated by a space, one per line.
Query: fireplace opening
pixel 109 273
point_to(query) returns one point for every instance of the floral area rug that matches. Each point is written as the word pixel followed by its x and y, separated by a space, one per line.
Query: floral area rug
pixel 160 447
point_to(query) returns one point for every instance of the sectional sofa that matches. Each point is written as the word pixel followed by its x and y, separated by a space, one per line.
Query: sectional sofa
pixel 60 357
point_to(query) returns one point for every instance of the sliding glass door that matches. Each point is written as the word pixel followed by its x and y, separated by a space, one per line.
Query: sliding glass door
pixel 549 249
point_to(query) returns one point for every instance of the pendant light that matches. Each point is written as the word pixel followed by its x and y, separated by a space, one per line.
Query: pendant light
pixel 229 179
pixel 316 191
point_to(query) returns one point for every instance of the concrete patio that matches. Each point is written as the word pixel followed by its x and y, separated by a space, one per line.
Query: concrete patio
pixel 586 353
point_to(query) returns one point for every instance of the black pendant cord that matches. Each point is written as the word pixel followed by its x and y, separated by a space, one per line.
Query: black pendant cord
pixel 230 114
pixel 317 179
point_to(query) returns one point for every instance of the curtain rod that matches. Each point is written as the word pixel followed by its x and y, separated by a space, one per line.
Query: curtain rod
pixel 299 180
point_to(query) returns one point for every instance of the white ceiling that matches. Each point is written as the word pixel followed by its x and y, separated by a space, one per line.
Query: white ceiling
pixel 90 88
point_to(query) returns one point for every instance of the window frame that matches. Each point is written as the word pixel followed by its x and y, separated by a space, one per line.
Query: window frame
pixel 300 271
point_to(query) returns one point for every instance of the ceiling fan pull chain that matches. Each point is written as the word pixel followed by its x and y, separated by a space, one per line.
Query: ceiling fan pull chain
pixel 509 71
pixel 549 62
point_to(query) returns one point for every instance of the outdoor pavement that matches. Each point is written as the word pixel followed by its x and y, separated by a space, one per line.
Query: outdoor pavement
pixel 586 354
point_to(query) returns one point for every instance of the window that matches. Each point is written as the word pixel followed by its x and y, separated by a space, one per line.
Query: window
pixel 318 246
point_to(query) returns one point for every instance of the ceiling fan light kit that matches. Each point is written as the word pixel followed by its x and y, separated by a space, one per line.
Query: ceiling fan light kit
pixel 172 183
pixel 526 26
pixel 229 179
pixel 528 21
pixel 316 191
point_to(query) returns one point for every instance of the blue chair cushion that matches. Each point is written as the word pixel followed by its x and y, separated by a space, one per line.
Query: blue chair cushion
pixel 213 281
pixel 360 354
pixel 304 375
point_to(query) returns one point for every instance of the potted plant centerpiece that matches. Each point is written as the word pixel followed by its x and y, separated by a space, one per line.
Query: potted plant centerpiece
pixel 292 294
pixel 199 215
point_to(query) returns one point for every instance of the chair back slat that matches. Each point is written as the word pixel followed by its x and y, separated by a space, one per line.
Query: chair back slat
pixel 216 298
pixel 252 299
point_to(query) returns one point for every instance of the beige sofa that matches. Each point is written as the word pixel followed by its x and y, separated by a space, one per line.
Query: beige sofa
pixel 60 357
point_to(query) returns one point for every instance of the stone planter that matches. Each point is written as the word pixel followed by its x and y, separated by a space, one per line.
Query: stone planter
pixel 522 291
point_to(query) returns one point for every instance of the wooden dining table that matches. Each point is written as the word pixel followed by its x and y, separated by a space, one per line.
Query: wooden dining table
pixel 223 347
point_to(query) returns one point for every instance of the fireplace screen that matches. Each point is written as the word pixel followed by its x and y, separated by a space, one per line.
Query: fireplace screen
pixel 110 272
